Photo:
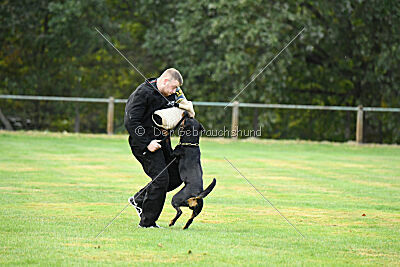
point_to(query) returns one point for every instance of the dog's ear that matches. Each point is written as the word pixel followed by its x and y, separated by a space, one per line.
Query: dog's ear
pixel 202 128
pixel 187 122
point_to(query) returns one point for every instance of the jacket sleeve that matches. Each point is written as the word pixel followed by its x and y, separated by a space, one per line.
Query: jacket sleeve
pixel 135 112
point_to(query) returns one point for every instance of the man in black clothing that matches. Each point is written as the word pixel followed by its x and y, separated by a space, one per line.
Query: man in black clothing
pixel 146 145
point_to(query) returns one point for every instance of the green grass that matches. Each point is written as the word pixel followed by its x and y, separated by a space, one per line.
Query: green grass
pixel 57 191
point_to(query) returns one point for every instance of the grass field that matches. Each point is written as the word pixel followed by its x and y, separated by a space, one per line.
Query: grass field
pixel 57 191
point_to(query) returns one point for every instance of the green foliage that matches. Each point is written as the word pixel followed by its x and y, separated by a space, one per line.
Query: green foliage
pixel 53 49
pixel 347 55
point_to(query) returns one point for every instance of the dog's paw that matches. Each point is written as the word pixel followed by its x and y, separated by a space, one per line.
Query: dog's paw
pixel 171 223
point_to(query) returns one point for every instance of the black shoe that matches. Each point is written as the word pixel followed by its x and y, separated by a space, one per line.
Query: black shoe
pixel 151 226
pixel 135 205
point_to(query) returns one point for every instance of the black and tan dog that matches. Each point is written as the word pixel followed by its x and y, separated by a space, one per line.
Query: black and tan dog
pixel 188 152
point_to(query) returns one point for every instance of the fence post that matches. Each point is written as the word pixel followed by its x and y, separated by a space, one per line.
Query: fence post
pixel 359 127
pixel 110 116
pixel 235 119
pixel 77 119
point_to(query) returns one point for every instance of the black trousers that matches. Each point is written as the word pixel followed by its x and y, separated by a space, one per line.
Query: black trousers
pixel 151 198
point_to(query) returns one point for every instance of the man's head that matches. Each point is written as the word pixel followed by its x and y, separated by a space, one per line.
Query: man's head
pixel 169 81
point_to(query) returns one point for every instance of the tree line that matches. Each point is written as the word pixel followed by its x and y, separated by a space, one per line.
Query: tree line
pixel 348 55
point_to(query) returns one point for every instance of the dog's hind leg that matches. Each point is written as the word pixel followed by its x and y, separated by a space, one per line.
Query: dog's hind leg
pixel 178 200
pixel 178 214
pixel 197 207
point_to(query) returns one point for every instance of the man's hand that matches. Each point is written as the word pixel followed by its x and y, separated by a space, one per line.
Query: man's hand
pixel 154 145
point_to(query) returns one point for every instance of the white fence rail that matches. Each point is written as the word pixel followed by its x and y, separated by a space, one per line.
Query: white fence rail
pixel 235 109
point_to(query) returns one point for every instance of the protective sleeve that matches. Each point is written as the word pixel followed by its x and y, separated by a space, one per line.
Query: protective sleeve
pixel 188 106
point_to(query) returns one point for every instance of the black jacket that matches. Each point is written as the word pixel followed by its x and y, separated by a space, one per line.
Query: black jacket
pixel 138 114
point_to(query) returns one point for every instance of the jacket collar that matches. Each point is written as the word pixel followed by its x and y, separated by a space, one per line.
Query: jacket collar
pixel 152 82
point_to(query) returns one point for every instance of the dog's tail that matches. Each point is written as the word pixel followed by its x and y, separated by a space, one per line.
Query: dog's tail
pixel 207 190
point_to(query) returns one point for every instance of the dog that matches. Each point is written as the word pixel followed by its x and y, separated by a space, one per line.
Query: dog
pixel 191 173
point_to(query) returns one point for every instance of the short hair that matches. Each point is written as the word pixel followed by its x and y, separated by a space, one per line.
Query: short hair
pixel 174 74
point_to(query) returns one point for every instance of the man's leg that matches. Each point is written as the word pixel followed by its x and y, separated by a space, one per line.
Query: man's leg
pixel 139 196
pixel 153 197
pixel 173 178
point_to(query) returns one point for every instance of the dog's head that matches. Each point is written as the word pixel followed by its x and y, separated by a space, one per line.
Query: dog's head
pixel 192 125
pixel 190 130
